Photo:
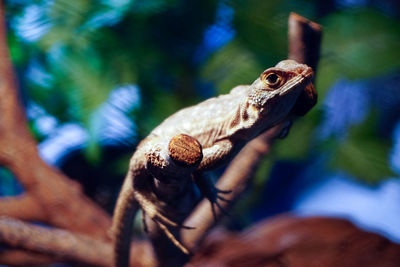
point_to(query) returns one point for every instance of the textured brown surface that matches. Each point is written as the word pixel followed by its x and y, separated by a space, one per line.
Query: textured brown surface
pixel 185 150
pixel 45 245
pixel 63 243
pixel 299 242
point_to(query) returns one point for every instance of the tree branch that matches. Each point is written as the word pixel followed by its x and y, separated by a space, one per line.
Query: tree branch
pixel 15 257
pixel 304 40
pixel 286 240
pixel 22 207
pixel 62 246
pixel 54 242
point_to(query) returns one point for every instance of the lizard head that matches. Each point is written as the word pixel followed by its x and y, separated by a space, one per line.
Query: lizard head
pixel 274 94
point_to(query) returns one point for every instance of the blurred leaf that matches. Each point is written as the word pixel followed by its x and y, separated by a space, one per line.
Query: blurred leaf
pixel 327 74
pixel 262 26
pixel 120 165
pixel 93 152
pixel 19 53
pixel 363 154
pixel 84 82
pixel 298 143
pixel 145 7
pixel 9 186
pixel 161 110
pixel 233 65
pixel 361 42
pixel 262 174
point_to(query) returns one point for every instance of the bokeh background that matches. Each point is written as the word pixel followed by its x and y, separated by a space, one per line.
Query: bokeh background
pixel 97 76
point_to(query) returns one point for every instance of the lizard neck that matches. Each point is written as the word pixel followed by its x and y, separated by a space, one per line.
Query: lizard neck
pixel 245 123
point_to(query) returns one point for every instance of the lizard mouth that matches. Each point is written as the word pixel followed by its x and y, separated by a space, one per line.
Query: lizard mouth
pixel 308 96
pixel 303 81
pixel 307 73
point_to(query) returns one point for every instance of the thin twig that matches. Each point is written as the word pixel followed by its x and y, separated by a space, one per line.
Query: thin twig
pixel 304 40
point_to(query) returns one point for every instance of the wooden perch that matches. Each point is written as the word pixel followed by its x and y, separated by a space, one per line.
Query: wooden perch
pixel 304 40
pixel 304 46
pixel 46 245
pixel 286 240
pixel 59 244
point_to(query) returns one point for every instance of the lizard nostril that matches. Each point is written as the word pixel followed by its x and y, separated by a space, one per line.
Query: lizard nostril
pixel 300 70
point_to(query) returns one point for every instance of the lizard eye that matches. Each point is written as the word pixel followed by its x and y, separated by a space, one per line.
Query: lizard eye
pixel 273 79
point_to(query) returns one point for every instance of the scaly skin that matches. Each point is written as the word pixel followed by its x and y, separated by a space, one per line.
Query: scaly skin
pixel 220 126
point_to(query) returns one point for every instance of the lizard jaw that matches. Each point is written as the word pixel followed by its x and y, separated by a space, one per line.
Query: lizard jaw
pixel 302 81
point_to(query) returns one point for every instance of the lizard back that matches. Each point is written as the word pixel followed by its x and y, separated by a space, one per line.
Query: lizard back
pixel 206 121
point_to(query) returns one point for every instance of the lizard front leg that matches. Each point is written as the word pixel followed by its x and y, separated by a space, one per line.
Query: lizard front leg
pixel 137 193
pixel 170 165
pixel 151 207
pixel 208 190
pixel 214 156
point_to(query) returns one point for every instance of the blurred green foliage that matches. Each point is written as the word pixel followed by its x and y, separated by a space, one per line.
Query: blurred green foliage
pixel 88 48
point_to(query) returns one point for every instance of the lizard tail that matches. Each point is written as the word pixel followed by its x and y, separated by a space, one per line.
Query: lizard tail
pixel 124 213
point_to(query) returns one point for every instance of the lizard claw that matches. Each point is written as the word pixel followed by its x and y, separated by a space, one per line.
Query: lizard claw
pixel 164 220
pixel 224 199
pixel 171 237
pixel 213 197
pixel 222 209
pixel 212 193
pixel 223 191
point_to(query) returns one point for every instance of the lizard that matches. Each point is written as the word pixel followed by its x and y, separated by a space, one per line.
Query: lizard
pixel 209 134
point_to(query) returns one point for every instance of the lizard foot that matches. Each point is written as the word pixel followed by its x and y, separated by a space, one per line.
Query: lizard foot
pixel 214 196
pixel 171 237
pixel 212 193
